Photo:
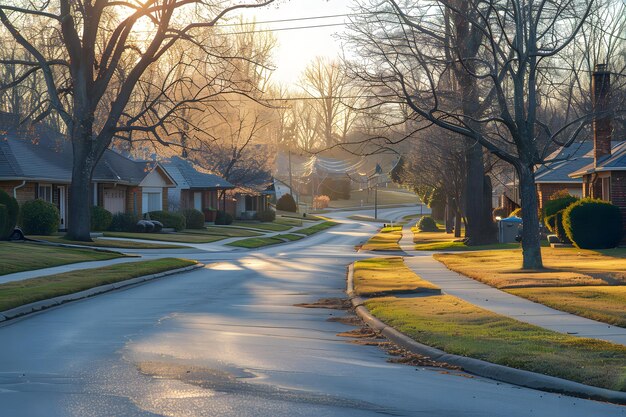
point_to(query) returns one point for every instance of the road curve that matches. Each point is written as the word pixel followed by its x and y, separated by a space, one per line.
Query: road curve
pixel 227 340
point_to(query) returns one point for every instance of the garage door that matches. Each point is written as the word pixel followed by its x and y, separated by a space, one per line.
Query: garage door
pixel 115 200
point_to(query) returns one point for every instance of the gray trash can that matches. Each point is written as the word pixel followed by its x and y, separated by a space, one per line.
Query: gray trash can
pixel 508 229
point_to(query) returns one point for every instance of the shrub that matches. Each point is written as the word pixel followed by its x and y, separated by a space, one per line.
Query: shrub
pixel 194 218
pixel 223 218
pixel 172 220
pixel 557 203
pixel 554 223
pixel 499 212
pixel 516 213
pixel 287 203
pixel 266 215
pixel 427 224
pixel 593 224
pixel 321 201
pixel 101 218
pixel 10 218
pixel 4 219
pixel 39 217
pixel 124 222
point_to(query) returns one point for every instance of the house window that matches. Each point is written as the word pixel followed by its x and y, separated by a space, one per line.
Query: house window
pixel 154 201
pixel 45 192
pixel 606 189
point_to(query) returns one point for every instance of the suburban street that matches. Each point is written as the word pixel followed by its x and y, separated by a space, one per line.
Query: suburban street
pixel 227 340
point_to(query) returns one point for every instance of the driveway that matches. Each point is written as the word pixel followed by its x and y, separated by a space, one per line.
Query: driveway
pixel 227 340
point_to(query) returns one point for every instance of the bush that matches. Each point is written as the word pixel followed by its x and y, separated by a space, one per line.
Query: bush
pixel 593 224
pixel 516 213
pixel 287 203
pixel 557 203
pixel 321 201
pixel 39 217
pixel 499 212
pixel 427 224
pixel 4 219
pixel 222 218
pixel 266 215
pixel 175 221
pixel 554 224
pixel 101 218
pixel 123 222
pixel 10 218
pixel 194 218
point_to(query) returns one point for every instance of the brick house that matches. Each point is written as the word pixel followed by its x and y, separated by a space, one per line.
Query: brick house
pixel 605 177
pixel 196 188
pixel 36 162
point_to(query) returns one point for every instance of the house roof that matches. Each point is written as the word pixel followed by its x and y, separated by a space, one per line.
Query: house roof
pixel 41 154
pixel 190 176
pixel 566 161
pixel 614 162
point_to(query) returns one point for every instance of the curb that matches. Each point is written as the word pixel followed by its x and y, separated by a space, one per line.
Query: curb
pixel 63 299
pixel 479 367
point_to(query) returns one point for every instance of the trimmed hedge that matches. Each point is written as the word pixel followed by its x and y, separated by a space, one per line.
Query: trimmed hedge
pixel 287 203
pixel 555 205
pixel 223 218
pixel 593 224
pixel 124 222
pixel 266 215
pixel 427 224
pixel 101 219
pixel 9 219
pixel 4 219
pixel 171 220
pixel 194 218
pixel 553 214
pixel 516 213
pixel 554 224
pixel 39 217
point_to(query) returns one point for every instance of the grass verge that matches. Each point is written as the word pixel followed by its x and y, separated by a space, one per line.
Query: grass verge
pixel 272 227
pixel 17 293
pixel 383 275
pixel 256 242
pixel 23 256
pixel 317 228
pixel 224 231
pixel 458 327
pixel 386 240
pixel 168 237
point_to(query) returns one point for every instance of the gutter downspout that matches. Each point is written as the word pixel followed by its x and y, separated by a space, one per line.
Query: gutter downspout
pixel 17 188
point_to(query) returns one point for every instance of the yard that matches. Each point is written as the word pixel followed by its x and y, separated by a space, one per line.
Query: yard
pixel 107 243
pixel 442 241
pixel 23 256
pixel 17 293
pixel 180 237
pixel 588 283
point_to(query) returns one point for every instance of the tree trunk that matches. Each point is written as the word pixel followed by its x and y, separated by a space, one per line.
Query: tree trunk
pixel 449 215
pixel 477 230
pixel 458 224
pixel 531 245
pixel 80 200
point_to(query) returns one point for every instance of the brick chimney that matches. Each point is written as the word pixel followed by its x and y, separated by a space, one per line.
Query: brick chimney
pixel 602 129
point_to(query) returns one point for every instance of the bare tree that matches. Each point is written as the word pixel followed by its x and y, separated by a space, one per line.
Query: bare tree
pixel 107 48
pixel 411 49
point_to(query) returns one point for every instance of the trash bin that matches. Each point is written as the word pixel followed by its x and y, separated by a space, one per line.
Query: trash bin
pixel 508 229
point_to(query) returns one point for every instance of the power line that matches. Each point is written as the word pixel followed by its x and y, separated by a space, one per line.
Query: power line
pixel 295 19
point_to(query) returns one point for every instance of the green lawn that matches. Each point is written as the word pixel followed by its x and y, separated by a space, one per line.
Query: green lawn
pixel 458 327
pixel 272 227
pixel 289 236
pixel 461 246
pixel 108 243
pixel 225 231
pixel 386 240
pixel 383 275
pixel 255 242
pixel 23 256
pixel 17 293
pixel 317 228
pixel 168 237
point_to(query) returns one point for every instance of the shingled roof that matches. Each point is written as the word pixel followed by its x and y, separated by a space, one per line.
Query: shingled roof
pixel 566 161
pixel 614 162
pixel 41 154
pixel 190 177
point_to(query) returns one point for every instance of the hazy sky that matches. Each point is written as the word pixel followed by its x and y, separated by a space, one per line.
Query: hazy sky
pixel 296 48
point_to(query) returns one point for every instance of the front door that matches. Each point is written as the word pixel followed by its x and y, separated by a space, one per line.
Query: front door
pixel 62 207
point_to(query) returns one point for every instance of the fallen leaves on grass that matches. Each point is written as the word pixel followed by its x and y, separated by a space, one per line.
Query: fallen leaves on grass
pixel 331 303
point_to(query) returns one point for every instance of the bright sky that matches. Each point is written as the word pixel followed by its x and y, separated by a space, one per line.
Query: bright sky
pixel 296 48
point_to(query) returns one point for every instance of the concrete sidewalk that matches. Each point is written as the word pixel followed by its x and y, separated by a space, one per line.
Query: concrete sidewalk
pixel 500 302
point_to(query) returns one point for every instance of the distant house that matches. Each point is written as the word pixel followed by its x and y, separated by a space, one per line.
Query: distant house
pixel 196 188
pixel 37 163
pixel 244 202
pixel 605 177
pixel 555 176
pixel 280 188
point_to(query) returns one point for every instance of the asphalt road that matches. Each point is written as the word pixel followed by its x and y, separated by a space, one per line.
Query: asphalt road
pixel 227 340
